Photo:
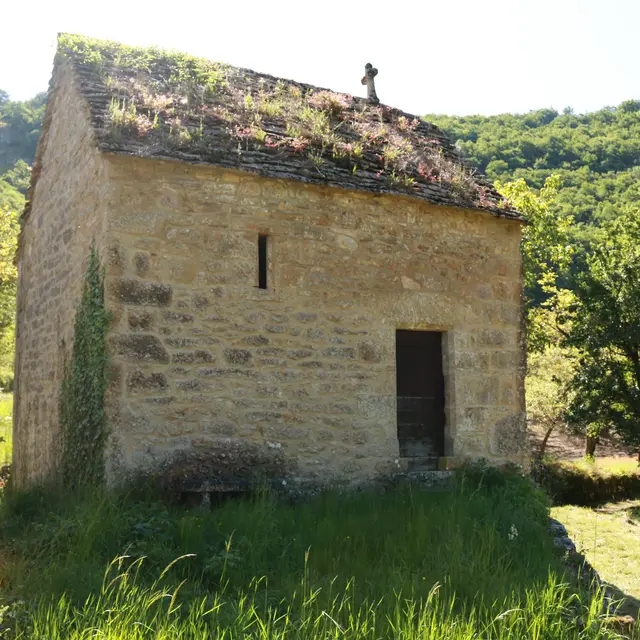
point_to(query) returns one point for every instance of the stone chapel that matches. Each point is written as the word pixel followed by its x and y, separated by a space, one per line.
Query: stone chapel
pixel 289 270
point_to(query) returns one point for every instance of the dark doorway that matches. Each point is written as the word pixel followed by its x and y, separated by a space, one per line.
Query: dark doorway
pixel 420 391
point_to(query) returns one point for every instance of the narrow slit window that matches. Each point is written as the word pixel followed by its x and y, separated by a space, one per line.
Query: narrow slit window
pixel 262 261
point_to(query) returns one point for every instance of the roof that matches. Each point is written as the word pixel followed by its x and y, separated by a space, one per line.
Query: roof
pixel 160 104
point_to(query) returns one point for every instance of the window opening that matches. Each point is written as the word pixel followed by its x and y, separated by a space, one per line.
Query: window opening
pixel 262 261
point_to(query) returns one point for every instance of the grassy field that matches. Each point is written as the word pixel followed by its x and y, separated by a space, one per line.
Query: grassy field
pixel 609 536
pixel 6 407
pixel 474 562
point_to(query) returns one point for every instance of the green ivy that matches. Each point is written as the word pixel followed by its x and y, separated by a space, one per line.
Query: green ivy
pixel 82 413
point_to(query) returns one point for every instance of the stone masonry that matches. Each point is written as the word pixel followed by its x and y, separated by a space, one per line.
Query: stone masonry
pixel 52 259
pixel 202 355
pixel 202 358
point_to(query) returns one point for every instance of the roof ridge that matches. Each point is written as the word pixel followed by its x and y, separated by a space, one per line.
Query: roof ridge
pixel 156 103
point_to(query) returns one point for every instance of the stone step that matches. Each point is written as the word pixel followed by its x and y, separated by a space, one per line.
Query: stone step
pixel 417 464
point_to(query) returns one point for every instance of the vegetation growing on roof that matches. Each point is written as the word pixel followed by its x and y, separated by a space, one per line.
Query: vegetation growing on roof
pixel 201 110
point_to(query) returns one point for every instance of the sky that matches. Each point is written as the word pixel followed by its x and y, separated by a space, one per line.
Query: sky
pixel 448 57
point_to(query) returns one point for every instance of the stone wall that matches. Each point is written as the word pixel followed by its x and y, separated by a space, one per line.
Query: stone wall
pixel 64 216
pixel 203 357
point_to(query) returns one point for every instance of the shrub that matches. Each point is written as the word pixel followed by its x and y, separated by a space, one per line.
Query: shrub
pixel 584 483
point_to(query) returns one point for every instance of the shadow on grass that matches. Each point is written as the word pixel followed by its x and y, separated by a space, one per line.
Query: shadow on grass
pixel 610 535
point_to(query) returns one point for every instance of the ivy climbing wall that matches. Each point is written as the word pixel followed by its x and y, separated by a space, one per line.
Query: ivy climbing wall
pixel 66 214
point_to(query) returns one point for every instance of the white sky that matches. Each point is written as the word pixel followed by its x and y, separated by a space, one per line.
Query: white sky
pixel 446 56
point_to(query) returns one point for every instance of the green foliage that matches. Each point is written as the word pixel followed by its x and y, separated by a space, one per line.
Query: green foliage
pixel 10 197
pixel 9 228
pixel 474 561
pixel 594 154
pixel 546 253
pixel 587 483
pixel 189 76
pixel 11 203
pixel 20 124
pixel 6 431
pixel 138 612
pixel 7 352
pixel 549 374
pixel 605 140
pixel 82 416
pixel 605 328
pixel 8 273
pixel 19 177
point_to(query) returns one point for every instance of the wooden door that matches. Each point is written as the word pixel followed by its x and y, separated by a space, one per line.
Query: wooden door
pixel 420 391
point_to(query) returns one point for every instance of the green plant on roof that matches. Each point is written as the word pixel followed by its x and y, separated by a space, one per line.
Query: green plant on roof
pixel 174 99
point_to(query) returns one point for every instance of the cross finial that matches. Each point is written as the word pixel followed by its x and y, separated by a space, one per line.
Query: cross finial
pixel 369 74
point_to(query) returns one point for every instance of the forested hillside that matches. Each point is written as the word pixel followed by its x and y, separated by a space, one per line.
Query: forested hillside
pixel 597 155
pixel 19 131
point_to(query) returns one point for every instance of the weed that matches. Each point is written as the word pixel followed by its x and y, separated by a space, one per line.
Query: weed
pixel 159 93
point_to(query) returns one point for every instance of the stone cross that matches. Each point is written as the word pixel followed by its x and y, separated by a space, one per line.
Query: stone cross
pixel 369 74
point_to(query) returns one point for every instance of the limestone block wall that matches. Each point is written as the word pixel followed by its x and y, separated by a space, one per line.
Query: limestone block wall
pixel 65 215
pixel 201 355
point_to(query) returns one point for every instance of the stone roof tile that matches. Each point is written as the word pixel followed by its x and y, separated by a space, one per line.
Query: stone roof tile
pixel 166 105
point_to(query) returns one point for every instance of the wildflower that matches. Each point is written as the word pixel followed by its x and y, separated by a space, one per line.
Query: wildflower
pixel 513 533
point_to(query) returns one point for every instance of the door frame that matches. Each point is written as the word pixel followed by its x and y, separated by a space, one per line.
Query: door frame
pixel 448 371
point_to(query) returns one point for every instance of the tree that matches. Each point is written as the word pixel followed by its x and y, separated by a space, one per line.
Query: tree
pixel 549 374
pixel 546 252
pixel 606 329
pixel 20 124
pixel 19 177
pixel 8 273
pixel 8 281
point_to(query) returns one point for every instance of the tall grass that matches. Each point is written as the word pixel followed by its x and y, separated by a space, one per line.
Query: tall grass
pixel 124 609
pixel 475 561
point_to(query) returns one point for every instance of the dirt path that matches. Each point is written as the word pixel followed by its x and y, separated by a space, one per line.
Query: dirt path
pixel 569 447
